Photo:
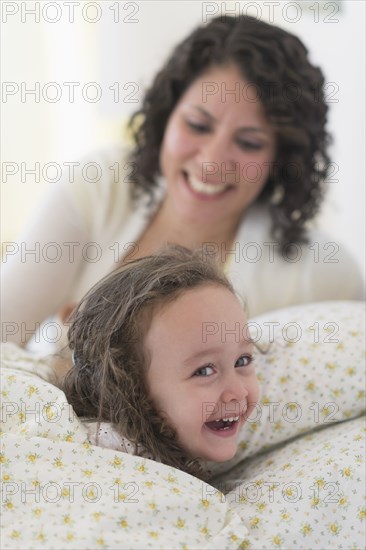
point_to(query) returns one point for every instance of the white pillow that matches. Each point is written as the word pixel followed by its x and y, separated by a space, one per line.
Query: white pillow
pixel 309 494
pixel 59 491
pixel 312 374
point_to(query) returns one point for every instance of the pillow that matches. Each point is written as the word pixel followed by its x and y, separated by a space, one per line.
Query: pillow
pixel 59 491
pixel 310 363
pixel 311 375
pixel 309 494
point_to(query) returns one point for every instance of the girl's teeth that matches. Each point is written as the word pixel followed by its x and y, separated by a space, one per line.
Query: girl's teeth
pixel 230 419
pixel 206 188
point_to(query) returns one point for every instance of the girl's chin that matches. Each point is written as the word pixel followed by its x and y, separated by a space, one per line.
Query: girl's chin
pixel 220 457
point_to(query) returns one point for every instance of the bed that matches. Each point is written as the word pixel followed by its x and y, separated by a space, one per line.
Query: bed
pixel 297 481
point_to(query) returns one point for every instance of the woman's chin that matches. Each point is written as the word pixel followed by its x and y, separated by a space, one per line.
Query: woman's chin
pixel 196 215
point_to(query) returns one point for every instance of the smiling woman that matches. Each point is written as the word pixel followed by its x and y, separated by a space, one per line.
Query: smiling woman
pixel 229 155
pixel 208 148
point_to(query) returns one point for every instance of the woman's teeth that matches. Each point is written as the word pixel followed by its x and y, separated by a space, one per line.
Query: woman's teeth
pixel 206 188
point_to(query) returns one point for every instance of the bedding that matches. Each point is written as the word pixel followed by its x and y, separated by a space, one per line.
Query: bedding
pixel 310 361
pixel 297 481
pixel 308 494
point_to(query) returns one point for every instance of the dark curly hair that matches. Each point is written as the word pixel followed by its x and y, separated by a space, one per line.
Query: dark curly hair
pixel 290 88
pixel 108 379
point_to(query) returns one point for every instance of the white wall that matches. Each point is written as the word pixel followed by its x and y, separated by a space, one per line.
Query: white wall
pixel 123 49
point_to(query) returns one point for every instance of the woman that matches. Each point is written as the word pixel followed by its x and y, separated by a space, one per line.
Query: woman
pixel 230 154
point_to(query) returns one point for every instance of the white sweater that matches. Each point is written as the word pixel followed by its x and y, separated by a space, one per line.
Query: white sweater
pixel 82 230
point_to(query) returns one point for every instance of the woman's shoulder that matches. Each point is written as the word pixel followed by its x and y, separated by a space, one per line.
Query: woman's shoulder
pixel 332 267
pixel 321 268
pixel 100 185
pixel 101 172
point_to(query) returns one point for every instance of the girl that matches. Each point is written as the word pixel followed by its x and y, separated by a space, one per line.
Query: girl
pixel 162 358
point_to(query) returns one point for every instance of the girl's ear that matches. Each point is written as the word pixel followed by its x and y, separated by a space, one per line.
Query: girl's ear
pixel 61 365
pixel 65 311
pixel 62 361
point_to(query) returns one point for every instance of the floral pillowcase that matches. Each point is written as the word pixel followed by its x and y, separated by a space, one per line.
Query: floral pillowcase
pixel 310 364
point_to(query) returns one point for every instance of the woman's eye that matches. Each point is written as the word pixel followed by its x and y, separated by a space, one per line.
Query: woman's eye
pixel 247 145
pixel 244 361
pixel 204 371
pixel 199 128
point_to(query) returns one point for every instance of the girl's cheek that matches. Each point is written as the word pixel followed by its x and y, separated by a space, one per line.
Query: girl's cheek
pixel 255 389
pixel 258 390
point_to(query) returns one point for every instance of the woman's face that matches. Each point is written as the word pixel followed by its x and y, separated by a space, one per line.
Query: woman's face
pixel 218 148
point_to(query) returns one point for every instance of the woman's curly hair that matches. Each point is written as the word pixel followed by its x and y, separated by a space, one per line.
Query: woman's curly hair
pixel 290 88
pixel 108 379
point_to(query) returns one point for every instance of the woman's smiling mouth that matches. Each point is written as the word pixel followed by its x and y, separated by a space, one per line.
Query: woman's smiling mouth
pixel 205 190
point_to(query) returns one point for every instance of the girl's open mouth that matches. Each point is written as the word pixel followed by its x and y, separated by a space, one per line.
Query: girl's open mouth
pixel 223 427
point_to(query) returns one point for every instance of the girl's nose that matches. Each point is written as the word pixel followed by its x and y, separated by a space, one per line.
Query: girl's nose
pixel 234 392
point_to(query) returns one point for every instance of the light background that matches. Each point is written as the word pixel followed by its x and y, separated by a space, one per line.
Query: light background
pixel 127 44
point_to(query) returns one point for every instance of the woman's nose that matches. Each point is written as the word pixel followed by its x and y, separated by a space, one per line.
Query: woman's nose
pixel 216 156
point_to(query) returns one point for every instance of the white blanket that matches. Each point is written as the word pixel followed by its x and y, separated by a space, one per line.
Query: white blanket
pixel 58 491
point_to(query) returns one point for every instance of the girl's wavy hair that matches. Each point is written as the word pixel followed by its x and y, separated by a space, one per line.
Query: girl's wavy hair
pixel 290 89
pixel 107 381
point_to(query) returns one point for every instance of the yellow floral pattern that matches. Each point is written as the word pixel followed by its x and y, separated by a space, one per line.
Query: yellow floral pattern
pixel 309 504
pixel 308 385
pixel 59 491
pixel 309 493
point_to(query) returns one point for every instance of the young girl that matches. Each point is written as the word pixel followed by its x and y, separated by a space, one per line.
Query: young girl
pixel 162 362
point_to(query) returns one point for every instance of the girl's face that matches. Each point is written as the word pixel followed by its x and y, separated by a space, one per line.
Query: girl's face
pixel 201 370
pixel 218 148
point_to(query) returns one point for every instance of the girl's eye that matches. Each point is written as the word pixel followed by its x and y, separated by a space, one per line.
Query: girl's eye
pixel 244 361
pixel 199 128
pixel 204 371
